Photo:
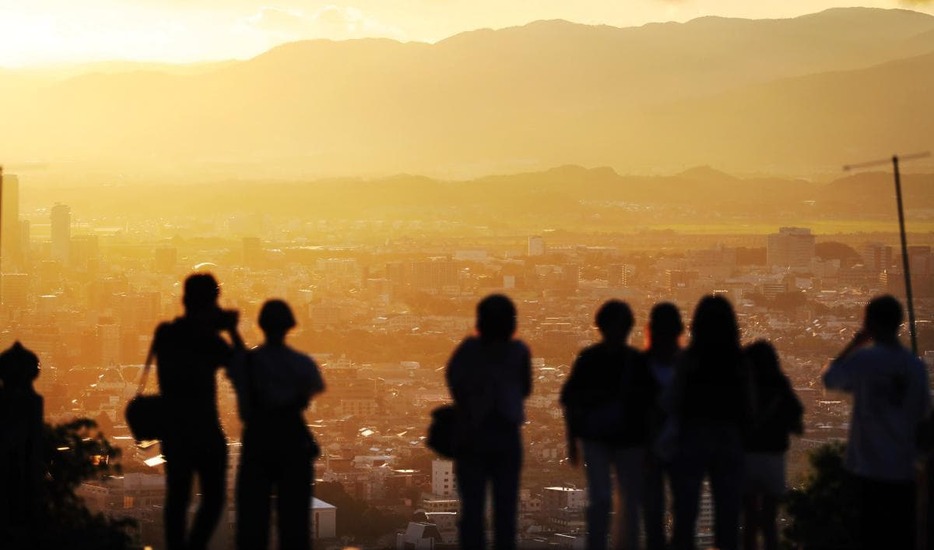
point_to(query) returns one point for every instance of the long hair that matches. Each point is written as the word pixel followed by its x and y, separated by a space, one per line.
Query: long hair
pixel 715 332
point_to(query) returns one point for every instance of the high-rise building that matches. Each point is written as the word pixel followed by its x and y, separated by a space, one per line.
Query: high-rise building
pixel 443 480
pixel 11 253
pixel 434 274
pixel 15 290
pixel 877 257
pixel 108 331
pixel 61 232
pixel 536 246
pixel 922 262
pixel 790 247
pixel 620 275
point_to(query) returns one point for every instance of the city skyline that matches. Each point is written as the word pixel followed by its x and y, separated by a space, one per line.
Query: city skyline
pixel 49 32
pixel 377 191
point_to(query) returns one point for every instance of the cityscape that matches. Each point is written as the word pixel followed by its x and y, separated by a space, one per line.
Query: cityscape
pixel 382 167
pixel 381 304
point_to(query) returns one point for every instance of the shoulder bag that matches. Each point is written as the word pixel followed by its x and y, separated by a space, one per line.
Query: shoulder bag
pixel 145 413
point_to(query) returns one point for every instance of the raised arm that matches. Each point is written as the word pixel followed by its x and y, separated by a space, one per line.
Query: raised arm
pixel 840 373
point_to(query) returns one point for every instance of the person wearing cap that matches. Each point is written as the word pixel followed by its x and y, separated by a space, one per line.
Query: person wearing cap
pixel 275 384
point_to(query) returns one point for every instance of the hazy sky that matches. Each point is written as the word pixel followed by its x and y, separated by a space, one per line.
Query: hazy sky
pixel 52 31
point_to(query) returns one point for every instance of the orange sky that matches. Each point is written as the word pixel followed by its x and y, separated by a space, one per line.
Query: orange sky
pixel 56 31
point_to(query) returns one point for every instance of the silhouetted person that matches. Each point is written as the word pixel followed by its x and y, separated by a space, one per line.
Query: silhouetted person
pixel 664 333
pixel 891 396
pixel 274 387
pixel 777 414
pixel 606 400
pixel 21 460
pixel 711 403
pixel 189 351
pixel 489 376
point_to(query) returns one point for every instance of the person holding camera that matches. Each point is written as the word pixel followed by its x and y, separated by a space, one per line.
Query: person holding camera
pixel 189 350
pixel 891 397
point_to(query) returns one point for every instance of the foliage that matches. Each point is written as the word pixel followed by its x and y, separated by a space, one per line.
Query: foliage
pixel 832 250
pixel 76 452
pixel 356 520
pixel 823 512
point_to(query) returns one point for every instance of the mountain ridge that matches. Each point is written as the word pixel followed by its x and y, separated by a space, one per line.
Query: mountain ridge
pixel 544 94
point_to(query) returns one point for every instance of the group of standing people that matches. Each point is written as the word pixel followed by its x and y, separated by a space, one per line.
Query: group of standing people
pixel 274 385
pixel 711 409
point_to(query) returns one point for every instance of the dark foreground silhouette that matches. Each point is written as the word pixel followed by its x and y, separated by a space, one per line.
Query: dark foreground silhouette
pixel 723 405
pixel 274 385
pixel 891 397
pixel 189 350
pixel 607 399
pixel 489 376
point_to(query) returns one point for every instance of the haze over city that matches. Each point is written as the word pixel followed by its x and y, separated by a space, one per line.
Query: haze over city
pixel 383 165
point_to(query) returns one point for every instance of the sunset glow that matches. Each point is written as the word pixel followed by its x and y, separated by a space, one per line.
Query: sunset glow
pixel 61 31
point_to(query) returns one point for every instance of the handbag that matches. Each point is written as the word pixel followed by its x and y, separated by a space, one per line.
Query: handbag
pixel 442 429
pixel 145 413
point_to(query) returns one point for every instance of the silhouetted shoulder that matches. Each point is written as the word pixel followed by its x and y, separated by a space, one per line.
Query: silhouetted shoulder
pixel 162 332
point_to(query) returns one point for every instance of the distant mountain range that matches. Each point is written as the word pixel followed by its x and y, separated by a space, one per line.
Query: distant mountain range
pixel 569 198
pixel 792 96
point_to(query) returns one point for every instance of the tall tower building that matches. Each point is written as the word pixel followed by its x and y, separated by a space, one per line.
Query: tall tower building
pixel 536 246
pixel 11 253
pixel 108 331
pixel 790 247
pixel 61 232
pixel 877 257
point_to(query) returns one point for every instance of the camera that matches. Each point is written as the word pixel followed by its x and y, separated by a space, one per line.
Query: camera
pixel 225 319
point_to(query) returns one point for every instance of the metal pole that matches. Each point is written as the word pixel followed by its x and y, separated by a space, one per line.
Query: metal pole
pixel 901 227
pixel 1 234
pixel 906 264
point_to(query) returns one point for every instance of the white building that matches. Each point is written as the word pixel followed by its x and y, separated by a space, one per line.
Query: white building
pixel 323 519
pixel 536 246
pixel 443 480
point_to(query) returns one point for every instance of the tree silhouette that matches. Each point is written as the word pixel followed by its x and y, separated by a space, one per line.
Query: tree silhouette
pixel 823 515
pixel 75 452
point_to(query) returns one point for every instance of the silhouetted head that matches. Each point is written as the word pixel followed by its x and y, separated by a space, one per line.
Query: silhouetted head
pixel 714 327
pixel 201 292
pixel 614 320
pixel 19 367
pixel 275 317
pixel 764 360
pixel 665 324
pixel 883 317
pixel 496 318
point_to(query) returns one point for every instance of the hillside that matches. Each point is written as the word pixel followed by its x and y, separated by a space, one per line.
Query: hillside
pixel 788 96
pixel 569 197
